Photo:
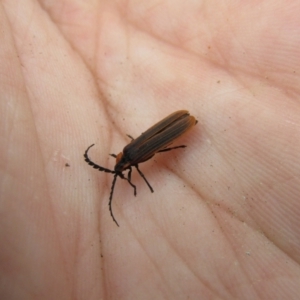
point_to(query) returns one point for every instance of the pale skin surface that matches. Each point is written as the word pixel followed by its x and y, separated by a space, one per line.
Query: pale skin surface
pixel 223 221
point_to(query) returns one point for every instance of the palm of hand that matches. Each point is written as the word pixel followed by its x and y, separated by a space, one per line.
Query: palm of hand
pixel 223 221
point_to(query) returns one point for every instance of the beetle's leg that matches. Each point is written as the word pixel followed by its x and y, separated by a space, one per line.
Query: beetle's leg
pixel 134 187
pixel 168 149
pixel 140 172
pixel 129 174
pixel 129 180
pixel 130 136
pixel 113 155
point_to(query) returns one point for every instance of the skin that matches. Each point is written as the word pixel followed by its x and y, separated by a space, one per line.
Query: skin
pixel 223 221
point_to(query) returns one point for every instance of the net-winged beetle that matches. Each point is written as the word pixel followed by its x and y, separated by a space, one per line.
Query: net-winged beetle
pixel 154 140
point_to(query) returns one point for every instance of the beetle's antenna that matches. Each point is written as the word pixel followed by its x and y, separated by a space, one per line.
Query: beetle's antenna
pixel 112 192
pixel 110 198
pixel 143 176
pixel 91 163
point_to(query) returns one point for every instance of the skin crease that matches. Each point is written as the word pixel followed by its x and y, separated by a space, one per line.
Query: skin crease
pixel 223 221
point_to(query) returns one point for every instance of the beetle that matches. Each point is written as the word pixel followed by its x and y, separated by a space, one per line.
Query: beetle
pixel 154 140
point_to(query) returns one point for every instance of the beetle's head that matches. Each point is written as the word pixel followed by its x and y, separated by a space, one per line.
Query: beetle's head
pixel 121 163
